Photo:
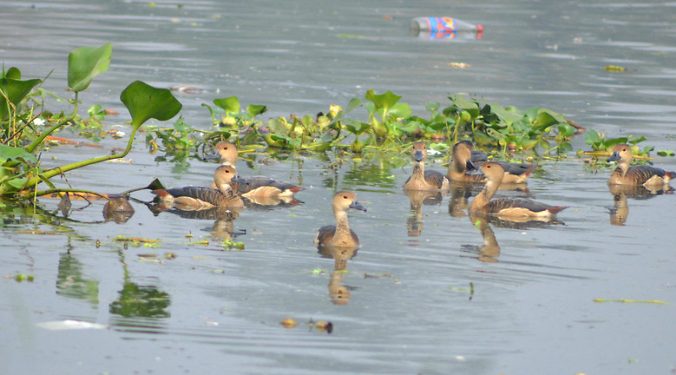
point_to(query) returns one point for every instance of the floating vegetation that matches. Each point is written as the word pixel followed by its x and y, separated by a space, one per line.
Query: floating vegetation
pixel 373 125
pixel 230 244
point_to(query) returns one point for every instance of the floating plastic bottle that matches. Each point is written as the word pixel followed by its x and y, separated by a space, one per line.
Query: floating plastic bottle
pixel 445 27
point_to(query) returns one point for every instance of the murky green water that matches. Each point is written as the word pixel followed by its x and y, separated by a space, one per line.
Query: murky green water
pixel 410 307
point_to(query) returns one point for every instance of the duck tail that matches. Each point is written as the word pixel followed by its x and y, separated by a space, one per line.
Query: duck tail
pixel 556 209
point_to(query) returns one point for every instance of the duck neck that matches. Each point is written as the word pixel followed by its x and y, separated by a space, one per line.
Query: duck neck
pixel 623 165
pixel 342 225
pixel 419 171
pixel 457 168
pixel 485 196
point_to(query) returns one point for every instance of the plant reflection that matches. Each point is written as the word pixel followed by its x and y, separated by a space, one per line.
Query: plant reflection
pixel 139 301
pixel 620 211
pixel 70 281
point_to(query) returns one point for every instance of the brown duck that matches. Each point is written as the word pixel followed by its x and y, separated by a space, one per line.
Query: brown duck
pixel 340 235
pixel 466 161
pixel 644 175
pixel 255 188
pixel 510 209
pixel 194 198
pixel 420 178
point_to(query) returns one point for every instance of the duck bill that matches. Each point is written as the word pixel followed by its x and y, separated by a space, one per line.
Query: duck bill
pixel 357 206
pixel 614 157
pixel 418 156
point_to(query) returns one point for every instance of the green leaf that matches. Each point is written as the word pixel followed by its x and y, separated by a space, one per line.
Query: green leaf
pixel 9 153
pixel 145 102
pixel 401 110
pixel 354 103
pixel 592 137
pixel 14 90
pixel 229 104
pixel 383 101
pixel 11 73
pixel 255 109
pixel 86 63
pixel 665 153
pixel 543 120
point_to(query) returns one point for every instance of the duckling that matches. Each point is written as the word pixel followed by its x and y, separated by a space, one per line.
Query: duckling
pixel 420 178
pixel 508 208
pixel 257 187
pixel 340 235
pixel 466 159
pixel 194 198
pixel 644 175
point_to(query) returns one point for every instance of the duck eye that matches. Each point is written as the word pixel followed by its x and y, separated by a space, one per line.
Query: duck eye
pixel 488 166
pixel 624 149
pixel 344 196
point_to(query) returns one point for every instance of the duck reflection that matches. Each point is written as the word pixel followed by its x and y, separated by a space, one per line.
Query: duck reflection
pixel 459 196
pixel 418 198
pixel 489 251
pixel 117 209
pixel 338 292
pixel 620 211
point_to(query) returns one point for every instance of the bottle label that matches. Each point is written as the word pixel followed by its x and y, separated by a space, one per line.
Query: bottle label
pixel 442 24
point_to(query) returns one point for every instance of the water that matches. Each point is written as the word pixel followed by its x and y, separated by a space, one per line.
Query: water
pixel 411 308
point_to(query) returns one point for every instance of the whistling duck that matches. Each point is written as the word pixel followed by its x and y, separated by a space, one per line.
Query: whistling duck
pixel 466 159
pixel 256 187
pixel 193 198
pixel 508 208
pixel 227 152
pixel 340 235
pixel 420 178
pixel 644 175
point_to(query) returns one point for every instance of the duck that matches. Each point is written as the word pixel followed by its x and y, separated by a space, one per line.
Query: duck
pixel 637 175
pixel 510 209
pixel 255 188
pixel 195 198
pixel 420 178
pixel 227 152
pixel 465 160
pixel 340 235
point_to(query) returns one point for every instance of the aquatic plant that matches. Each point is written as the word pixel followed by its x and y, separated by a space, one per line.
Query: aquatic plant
pixel 23 138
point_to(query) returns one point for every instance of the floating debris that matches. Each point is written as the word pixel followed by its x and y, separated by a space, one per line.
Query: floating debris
pixel 458 65
pixel 60 325
pixel 629 300
pixel 289 323
pixel 614 68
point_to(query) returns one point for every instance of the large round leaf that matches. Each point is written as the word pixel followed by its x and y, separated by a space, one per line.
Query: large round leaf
pixel 86 63
pixel 229 104
pixel 145 102
pixel 14 90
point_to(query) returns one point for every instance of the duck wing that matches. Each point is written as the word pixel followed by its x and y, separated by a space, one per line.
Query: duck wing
pixel 435 178
pixel 496 205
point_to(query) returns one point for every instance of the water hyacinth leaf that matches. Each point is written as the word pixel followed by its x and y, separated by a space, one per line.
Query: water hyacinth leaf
pixel 85 63
pixel 11 73
pixel 354 103
pixel 463 103
pixel 382 102
pixel 401 110
pixel 229 104
pixel 356 127
pixel 633 141
pixel 145 102
pixel 15 90
pixel 255 109
pixel 543 120
pixel 665 153
pixel 592 137
pixel 13 153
